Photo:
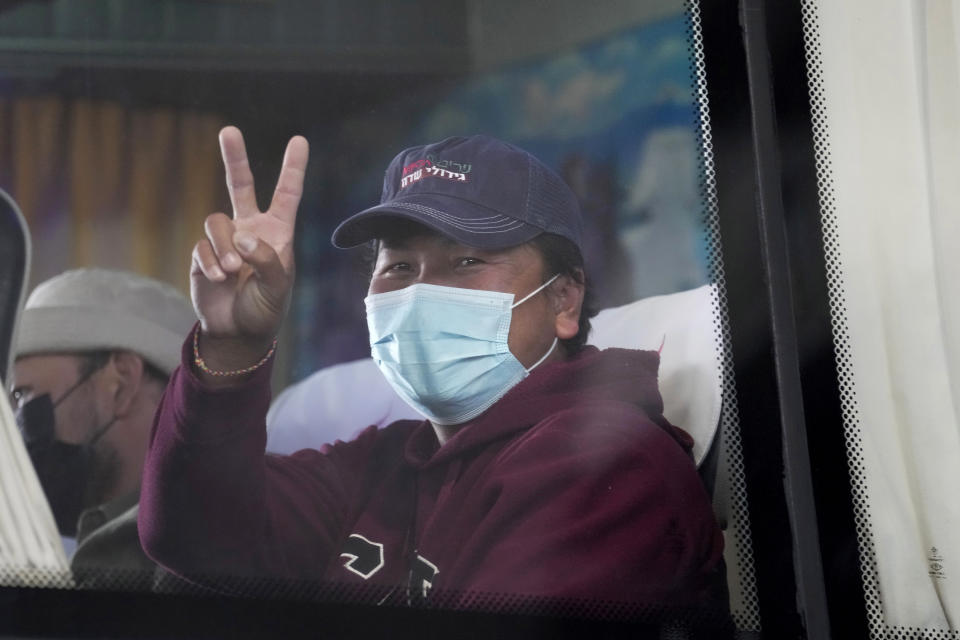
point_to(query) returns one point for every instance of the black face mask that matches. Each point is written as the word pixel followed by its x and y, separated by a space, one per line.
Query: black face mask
pixel 64 469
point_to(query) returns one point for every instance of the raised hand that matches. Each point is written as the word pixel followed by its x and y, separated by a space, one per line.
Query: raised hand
pixel 242 271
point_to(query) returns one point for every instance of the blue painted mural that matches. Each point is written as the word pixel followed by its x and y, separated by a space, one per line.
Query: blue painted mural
pixel 615 118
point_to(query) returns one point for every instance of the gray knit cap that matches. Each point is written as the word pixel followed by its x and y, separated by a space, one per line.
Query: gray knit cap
pixel 91 309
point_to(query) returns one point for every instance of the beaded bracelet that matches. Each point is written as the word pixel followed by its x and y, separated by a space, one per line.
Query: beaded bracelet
pixel 200 364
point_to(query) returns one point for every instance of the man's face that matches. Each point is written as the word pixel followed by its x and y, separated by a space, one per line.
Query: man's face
pixel 77 415
pixel 427 257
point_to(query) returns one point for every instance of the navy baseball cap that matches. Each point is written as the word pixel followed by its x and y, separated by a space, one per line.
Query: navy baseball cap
pixel 477 190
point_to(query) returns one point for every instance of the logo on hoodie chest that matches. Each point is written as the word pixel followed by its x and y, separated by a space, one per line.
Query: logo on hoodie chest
pixel 362 556
pixel 365 558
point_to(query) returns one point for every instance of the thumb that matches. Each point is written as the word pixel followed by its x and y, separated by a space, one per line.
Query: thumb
pixel 273 277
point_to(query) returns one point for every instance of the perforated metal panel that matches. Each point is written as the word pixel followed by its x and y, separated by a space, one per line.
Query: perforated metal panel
pixel 731 483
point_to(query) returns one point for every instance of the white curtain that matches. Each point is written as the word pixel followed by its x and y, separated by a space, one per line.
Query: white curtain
pixel 885 86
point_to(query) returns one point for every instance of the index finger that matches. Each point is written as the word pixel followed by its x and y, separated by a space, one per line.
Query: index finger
pixel 243 197
pixel 286 197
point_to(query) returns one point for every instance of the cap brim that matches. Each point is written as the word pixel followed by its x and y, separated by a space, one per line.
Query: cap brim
pixel 472 225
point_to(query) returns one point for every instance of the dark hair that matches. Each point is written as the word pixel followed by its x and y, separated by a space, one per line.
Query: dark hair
pixel 561 255
pixel 90 361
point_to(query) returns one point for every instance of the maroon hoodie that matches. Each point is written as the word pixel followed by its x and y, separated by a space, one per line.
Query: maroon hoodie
pixel 573 485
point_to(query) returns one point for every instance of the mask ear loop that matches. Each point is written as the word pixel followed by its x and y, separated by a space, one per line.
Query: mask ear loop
pixel 545 356
pixel 527 297
pixel 98 434
pixel 534 292
pixel 76 384
pixel 101 430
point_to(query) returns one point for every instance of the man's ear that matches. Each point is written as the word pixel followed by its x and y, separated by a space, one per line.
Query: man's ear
pixel 126 378
pixel 567 300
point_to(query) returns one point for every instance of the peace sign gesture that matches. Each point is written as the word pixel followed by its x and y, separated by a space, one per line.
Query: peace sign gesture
pixel 242 271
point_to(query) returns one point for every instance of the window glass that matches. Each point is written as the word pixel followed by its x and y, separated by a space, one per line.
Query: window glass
pixel 109 116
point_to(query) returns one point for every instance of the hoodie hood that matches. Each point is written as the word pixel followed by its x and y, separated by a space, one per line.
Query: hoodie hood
pixel 590 377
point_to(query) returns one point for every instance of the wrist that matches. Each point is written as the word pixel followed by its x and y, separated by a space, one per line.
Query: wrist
pixel 228 360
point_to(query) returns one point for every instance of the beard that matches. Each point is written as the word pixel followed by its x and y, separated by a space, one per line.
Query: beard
pixel 104 472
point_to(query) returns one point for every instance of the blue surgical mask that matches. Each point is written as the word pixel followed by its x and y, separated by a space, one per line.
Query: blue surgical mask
pixel 444 349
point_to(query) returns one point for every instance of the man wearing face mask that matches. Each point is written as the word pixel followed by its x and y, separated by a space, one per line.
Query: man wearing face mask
pixel 93 355
pixel 543 468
